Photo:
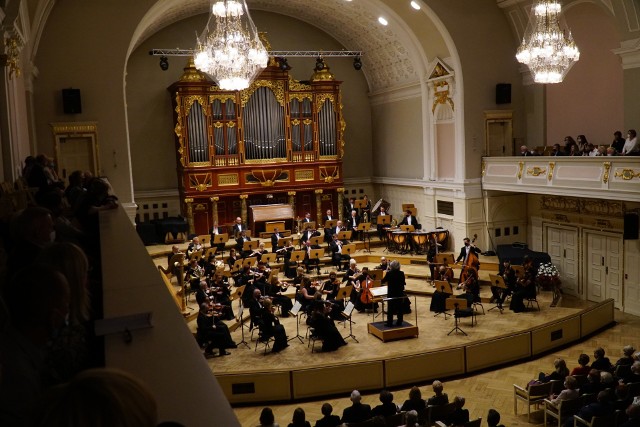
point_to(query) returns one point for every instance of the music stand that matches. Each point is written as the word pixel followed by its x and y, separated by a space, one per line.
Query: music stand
pixel 295 311
pixel 445 258
pixel 222 238
pixel 249 245
pixel 268 258
pixel 407 228
pixel 444 287
pixel 317 240
pixel 297 256
pixel 330 223
pixel 197 255
pixel 519 271
pixel 250 261
pixel 383 220
pixel 344 235
pixel 376 274
pixel 346 315
pixel 309 225
pixel 237 294
pixel 498 282
pixel 457 304
pixel 211 251
pixel 316 254
pixel 348 249
pixel 237 266
pixel 363 228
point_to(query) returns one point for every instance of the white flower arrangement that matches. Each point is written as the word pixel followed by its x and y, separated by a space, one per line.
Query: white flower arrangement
pixel 548 269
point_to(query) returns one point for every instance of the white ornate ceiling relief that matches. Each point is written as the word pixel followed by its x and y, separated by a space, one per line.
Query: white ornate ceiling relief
pixel 387 61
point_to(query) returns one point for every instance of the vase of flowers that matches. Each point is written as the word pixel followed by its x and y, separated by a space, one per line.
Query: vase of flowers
pixel 548 278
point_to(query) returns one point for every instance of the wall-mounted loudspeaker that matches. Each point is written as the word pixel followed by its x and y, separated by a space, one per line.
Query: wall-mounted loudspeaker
pixel 631 222
pixel 71 102
pixel 503 93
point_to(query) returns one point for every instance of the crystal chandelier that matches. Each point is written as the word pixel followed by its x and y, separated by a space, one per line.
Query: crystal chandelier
pixel 229 49
pixel 547 48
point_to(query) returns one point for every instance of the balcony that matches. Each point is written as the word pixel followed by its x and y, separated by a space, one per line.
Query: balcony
pixel 613 178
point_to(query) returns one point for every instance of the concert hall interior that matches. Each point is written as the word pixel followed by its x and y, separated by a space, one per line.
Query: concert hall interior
pixel 437 123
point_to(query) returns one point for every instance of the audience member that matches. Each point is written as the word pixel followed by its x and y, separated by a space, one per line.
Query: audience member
pixel 415 401
pixel 299 419
pixel 559 373
pixel 627 356
pixel 601 362
pixel 593 384
pixel 618 142
pixel 570 391
pixel 631 146
pixel 439 398
pixel 328 420
pixel 460 415
pixel 411 419
pixel 493 418
pixel 358 411
pixel 633 376
pixel 633 412
pixel 583 369
pixel 99 398
pixel 267 419
pixel 387 407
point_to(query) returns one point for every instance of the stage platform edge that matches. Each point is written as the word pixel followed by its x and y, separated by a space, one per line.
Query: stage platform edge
pixel 391 333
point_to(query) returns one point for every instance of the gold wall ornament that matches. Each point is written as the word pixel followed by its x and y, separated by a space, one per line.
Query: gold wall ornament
pixel 536 171
pixel 552 166
pixel 627 174
pixel 559 203
pixel 192 74
pixel 300 96
pixel 178 130
pixel 318 191
pixel 228 179
pixel 12 56
pixel 200 181
pixel 329 173
pixel 296 85
pixel 321 98
pixel 217 125
pixel 243 196
pixel 200 99
pixel 438 71
pixel 276 86
pixel 441 95
pixel 304 175
pixel 222 98
pixel 484 167
pixel 607 169
pixel 520 169
pixel 295 122
pixel 608 208
pixel 323 75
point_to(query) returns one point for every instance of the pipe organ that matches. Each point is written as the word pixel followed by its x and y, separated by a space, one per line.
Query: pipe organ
pixel 278 141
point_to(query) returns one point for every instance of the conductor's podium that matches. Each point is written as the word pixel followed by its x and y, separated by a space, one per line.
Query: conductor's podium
pixel 391 333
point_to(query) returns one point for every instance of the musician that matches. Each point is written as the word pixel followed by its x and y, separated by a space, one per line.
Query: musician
pixel 525 287
pixel 307 217
pixel 232 258
pixel 331 287
pixel 274 291
pixel 438 299
pixel 351 206
pixel 194 246
pixel 327 231
pixel 432 251
pixel 308 234
pixel 306 294
pixel 336 252
pixel 409 219
pixel 297 281
pixel 259 251
pixel 260 276
pixel 364 298
pixel 325 329
pixel 384 264
pixel 242 237
pixel 308 261
pixel 365 214
pixel 245 278
pixel 381 228
pixel 210 267
pixel 255 308
pixel 222 294
pixel 395 281
pixel 203 296
pixel 471 287
pixel 214 332
pixel 353 221
pixel 510 280
pixel 271 327
pixel 172 268
pixel 238 227
pixel 445 272
pixel 466 249
pixel 274 240
pixel 194 275
pixel 215 230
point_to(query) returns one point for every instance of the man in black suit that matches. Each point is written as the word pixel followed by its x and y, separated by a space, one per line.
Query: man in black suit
pixel 395 281
pixel 409 219
pixel 255 308
pixel 214 332
pixel 557 151
pixel 242 237
pixel 307 234
pixel 358 411
pixel 327 231
pixel 466 249
pixel 336 252
pixel 274 240
pixel 307 217
pixel 238 227
pixel 353 221
pixel 308 261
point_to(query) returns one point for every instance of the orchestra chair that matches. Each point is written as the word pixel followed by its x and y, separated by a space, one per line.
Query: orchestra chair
pixel 297 256
pixel 498 282
pixel 620 416
pixel 313 338
pixel 519 271
pixel 601 421
pixel 561 410
pixel 475 304
pixel 205 239
pixel 439 412
pixel 263 339
pixel 460 309
pixel 533 395
pixel 210 252
pixel 531 300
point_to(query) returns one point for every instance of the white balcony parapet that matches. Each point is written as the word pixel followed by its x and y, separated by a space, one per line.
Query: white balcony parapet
pixel 614 178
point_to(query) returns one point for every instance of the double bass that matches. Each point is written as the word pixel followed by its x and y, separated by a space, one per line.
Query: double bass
pixel 472 262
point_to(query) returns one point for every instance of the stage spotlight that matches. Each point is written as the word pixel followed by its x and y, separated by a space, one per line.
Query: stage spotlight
pixel 357 63
pixel 164 63
pixel 284 65
pixel 319 64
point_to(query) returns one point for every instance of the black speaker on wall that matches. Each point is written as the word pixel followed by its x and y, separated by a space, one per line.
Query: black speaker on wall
pixel 503 93
pixel 631 229
pixel 71 102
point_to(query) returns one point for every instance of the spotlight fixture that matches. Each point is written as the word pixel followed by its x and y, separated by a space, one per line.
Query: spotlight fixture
pixel 383 21
pixel 319 64
pixel 164 63
pixel 284 65
pixel 357 63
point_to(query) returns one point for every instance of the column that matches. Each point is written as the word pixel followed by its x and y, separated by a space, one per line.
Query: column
pixel 318 206
pixel 214 209
pixel 340 192
pixel 189 202
pixel 292 201
pixel 243 208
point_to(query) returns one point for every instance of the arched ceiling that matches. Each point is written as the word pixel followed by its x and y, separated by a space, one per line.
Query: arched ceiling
pixel 392 56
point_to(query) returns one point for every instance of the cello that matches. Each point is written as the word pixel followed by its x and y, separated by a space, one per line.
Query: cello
pixel 365 294
pixel 472 262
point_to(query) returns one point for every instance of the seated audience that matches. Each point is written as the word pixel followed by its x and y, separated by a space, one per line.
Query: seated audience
pixel 633 412
pixel 387 408
pixel 583 368
pixel 328 420
pixel 299 419
pixel 600 408
pixel 627 358
pixel 631 146
pixel 601 362
pixel 439 398
pixel 415 401
pixel 411 419
pixel 593 384
pixel 633 376
pixel 267 419
pixel 493 418
pixel 358 411
pixel 560 372
pixel 618 142
pixel 570 391
pixel 460 415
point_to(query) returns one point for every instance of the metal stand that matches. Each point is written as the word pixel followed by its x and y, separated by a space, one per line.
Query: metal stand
pixel 457 328
pixel 242 326
pixel 295 311
pixel 346 314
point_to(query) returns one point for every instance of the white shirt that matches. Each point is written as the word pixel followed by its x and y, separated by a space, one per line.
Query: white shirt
pixel 630 146
pixel 409 220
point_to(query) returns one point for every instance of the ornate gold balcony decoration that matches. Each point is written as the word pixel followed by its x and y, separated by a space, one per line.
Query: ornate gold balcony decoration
pixel 222 97
pixel 228 179
pixel 190 99
pixel 557 203
pixel 520 169
pixel 323 97
pixel 192 74
pixel 329 173
pixel 200 181
pixel 276 86
pixel 296 85
pixel 627 174
pixel 441 95
pixel 304 175
pixel 605 208
pixel 268 177
pixel 178 131
pixel 11 58
pixel 552 166
pixel 607 169
pixel 536 171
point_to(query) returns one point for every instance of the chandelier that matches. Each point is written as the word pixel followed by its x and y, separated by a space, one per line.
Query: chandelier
pixel 229 49
pixel 547 48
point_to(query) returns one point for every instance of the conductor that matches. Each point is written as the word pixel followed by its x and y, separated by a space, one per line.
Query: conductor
pixel 395 281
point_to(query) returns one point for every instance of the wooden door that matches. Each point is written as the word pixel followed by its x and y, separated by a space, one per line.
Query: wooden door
pixel 604 268
pixel 632 277
pixel 562 246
